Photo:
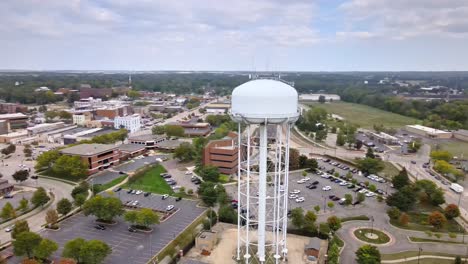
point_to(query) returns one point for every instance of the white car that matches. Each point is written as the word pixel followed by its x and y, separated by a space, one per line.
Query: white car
pixel 363 191
pixel 326 188
pixel 300 200
pixel 370 194
pixel 301 181
pixel 138 192
pixel 188 173
pixel 10 228
pixel 343 183
pixel 165 196
pixel 306 179
pixel 296 191
pixel 135 203
pixel 169 207
pixel 293 196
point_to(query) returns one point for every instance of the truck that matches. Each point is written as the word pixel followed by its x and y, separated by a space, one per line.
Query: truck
pixel 456 188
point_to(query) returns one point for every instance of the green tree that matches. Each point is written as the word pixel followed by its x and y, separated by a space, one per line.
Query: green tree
pixel 79 200
pixel 23 204
pixel 434 193
pixel 64 206
pixel 21 226
pixel 361 197
pixel 208 193
pixel 321 99
pixel 297 217
pixel 458 260
pixel 72 249
pixel 324 229
pixel 104 208
pixel 39 197
pixel 21 175
pixel 404 199
pixel 70 166
pixel 45 249
pixel 131 217
pixel 321 135
pixel 209 173
pixel 8 211
pixel 311 164
pixel 333 254
pixel 184 152
pixel 147 217
pixel 334 222
pixel 436 219
pixel 227 214
pixel 368 254
pixel 94 252
pixel 26 243
pixel 394 213
pixel 401 180
pixel 174 131
pixel 47 159
pixel 158 130
pixel 330 205
pixel 451 211
pixel 370 153
pixel 348 199
pixel 133 94
pixel 317 208
pixel 309 224
pixel 441 155
pixel 369 165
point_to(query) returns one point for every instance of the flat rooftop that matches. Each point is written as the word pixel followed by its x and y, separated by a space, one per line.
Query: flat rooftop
pixel 428 129
pixel 145 137
pixel 131 147
pixel 11 116
pixel 88 149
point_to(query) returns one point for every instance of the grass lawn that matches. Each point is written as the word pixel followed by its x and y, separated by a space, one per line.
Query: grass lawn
pixel 101 187
pixel 150 181
pixel 223 178
pixel 389 171
pixel 382 238
pixel 431 261
pixel 456 147
pixel 353 218
pixel 366 116
pixel 420 239
pixel 418 221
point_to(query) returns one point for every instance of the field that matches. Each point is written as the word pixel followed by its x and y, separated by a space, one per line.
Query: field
pixel 102 187
pixel 456 147
pixel 389 171
pixel 150 181
pixel 366 116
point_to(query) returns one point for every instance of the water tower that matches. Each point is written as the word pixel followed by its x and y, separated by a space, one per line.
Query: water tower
pixel 265 110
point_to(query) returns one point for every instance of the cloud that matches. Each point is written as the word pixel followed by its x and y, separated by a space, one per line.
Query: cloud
pixel 401 19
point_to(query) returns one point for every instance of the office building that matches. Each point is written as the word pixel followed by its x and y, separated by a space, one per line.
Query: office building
pixel 223 154
pixel 131 122
pixel 96 156
pixel 15 121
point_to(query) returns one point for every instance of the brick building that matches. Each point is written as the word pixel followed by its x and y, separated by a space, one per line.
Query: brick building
pixel 11 108
pixel 222 153
pixel 15 121
pixel 96 156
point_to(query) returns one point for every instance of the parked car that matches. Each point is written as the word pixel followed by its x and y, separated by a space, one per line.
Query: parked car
pixel 169 207
pixel 326 188
pixel 131 229
pixel 293 196
pixel 300 200
pixel 129 191
pixel 165 196
pixel 178 199
pixel 313 187
pixel 315 183
pixel 295 191
pixel 331 197
pixel 9 228
pixel 146 194
pixel 117 189
pixel 8 196
pixel 138 192
pixel 100 227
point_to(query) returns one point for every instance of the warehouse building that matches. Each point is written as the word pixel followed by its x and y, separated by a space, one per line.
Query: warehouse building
pixel 428 131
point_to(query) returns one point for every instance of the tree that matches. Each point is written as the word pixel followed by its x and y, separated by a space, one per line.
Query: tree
pixel 312 164
pixel 297 217
pixel 209 173
pixel 451 211
pixel 370 153
pixel 72 249
pixel 227 214
pixel 80 200
pixel 133 94
pixel 333 254
pixel 67 261
pixel 47 159
pixel 82 188
pixel 361 197
pixel 158 130
pixel 21 175
pixel 26 243
pixel 174 131
pixel 369 165
pixel 184 152
pixel 348 199
pixel 45 249
pixel 302 161
pixel 64 206
pixel 8 212
pixel 432 192
pixel 436 219
pixel 293 159
pixel 368 254
pixel 321 135
pixel 441 155
pixel 131 217
pixel 401 180
pixel 372 188
pixel 51 217
pixel 39 197
pixel 358 144
pixel 324 229
pixel 23 204
pixel 330 205
pixel 70 166
pixel 309 222
pixel 404 219
pixel 104 208
pixel 458 260
pixel 147 217
pixel 403 199
pixel 394 213
pixel 334 222
pixel 321 99
pixel 317 208
pixel 443 167
pixel 94 252
pixel 208 193
pixel 27 152
pixel 20 227
pixel 340 138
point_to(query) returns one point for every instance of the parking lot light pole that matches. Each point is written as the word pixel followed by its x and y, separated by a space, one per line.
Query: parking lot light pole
pixel 372 224
pixel 419 253
pixel 324 203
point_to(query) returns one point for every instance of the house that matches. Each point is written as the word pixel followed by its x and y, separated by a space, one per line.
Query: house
pixel 96 156
pixel 316 250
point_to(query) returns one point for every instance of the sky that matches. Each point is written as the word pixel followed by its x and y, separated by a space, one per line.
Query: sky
pixel 222 35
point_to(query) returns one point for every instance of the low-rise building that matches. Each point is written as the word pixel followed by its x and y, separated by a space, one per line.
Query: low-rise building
pixel 11 108
pixel 194 129
pixel 428 131
pixel 206 241
pixel 96 156
pixel 149 140
pixel 81 118
pixel 128 151
pixel 131 122
pixel 315 97
pixel 461 134
pixel 316 250
pixel 14 137
pixel 218 108
pixel 15 121
pixel 41 128
pixel 223 154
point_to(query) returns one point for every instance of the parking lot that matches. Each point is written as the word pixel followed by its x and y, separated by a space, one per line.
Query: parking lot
pixel 16 199
pixel 127 247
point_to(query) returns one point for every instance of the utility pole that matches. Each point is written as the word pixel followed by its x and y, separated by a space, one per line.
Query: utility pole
pixel 419 253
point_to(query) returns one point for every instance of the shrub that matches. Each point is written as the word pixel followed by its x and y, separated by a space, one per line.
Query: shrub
pixel 452 235
pixel 403 219
pixel 394 213
pixel 428 233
